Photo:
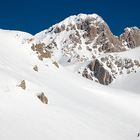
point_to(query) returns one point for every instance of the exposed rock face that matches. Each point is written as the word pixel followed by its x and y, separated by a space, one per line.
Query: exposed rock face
pixel 22 84
pixel 41 51
pixel 105 39
pixel 131 37
pixel 97 70
pixel 75 38
pixel 43 98
pixel 102 74
pixel 91 65
pixel 86 74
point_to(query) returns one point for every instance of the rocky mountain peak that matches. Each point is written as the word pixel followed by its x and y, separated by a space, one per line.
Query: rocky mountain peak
pixel 84 38
pixel 79 34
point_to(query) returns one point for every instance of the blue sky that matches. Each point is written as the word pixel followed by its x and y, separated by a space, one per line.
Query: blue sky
pixel 35 15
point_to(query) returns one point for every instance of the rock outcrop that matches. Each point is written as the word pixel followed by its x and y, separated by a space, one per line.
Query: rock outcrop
pixel 131 37
pixel 41 51
pixel 22 84
pixel 35 68
pixel 56 64
pixel 43 98
pixel 102 74
pixel 109 67
pixel 97 70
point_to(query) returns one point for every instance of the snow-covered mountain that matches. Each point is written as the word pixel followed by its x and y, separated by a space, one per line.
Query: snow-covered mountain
pixel 87 40
pixel 49 68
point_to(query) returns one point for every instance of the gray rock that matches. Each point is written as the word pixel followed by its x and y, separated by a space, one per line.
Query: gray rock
pixel 43 98
pixel 86 74
pixel 22 84
pixel 102 74
pixel 131 36
pixel 98 70
pixel 35 68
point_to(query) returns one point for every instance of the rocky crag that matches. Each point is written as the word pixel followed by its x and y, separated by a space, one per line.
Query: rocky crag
pixel 87 39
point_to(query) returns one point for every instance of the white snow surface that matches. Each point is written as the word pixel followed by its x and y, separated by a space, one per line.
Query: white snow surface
pixel 78 109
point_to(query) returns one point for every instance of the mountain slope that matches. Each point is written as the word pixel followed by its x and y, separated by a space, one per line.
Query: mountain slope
pixel 74 106
pixel 77 108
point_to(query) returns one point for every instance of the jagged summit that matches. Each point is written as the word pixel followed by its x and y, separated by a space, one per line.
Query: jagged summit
pixel 73 20
pixel 83 31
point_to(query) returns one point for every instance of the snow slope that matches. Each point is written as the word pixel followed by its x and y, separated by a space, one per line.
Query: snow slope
pixel 129 82
pixel 78 109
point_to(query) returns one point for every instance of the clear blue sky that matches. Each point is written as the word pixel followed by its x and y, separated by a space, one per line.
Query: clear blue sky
pixel 35 15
